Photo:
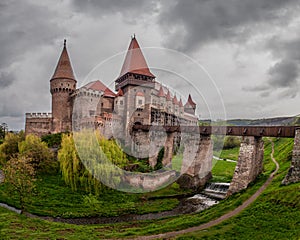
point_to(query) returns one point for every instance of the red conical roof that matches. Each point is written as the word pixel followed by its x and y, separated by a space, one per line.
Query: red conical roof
pixel 168 96
pixel 190 101
pixel 175 101
pixel 180 103
pixel 64 67
pixel 134 61
pixel 161 92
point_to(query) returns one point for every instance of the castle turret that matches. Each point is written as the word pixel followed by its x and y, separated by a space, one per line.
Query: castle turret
pixel 62 85
pixel 135 70
pixel 190 106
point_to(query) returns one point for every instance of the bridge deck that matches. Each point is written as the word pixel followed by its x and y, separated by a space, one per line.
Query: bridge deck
pixel 256 131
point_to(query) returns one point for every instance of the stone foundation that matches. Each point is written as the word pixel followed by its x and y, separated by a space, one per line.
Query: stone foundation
pixel 249 165
pixel 293 174
pixel 197 161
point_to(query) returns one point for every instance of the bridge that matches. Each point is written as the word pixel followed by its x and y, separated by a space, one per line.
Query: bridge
pixel 198 151
pixel 256 131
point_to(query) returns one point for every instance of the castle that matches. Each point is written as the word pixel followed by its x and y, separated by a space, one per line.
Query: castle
pixel 138 99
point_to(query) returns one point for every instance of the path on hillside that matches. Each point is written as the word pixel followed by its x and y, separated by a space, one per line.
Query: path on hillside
pixel 225 216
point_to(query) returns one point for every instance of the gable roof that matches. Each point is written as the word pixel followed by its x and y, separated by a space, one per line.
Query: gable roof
pixel 99 86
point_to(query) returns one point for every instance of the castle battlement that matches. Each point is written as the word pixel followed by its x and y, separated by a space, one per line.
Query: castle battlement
pixel 88 92
pixel 38 115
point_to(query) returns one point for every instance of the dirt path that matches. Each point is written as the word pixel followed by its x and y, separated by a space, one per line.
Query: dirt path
pixel 222 218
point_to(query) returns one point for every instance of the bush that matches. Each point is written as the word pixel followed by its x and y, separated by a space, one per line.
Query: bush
pixel 39 153
pixel 231 142
pixel 19 173
pixel 9 147
pixel 52 140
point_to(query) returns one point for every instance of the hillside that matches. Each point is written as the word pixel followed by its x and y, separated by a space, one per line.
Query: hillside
pixel 274 215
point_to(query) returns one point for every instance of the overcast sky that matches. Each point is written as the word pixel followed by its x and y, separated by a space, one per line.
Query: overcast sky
pixel 250 49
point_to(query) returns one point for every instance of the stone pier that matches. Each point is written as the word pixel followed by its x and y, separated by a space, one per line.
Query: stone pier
pixel 249 165
pixel 197 161
pixel 169 146
pixel 293 174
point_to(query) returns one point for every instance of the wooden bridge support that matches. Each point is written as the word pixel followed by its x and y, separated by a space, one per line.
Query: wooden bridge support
pixel 249 165
pixel 293 174
pixel 197 161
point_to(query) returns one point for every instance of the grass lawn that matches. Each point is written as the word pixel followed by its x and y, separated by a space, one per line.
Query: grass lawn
pixel 232 153
pixel 222 171
pixel 54 198
pixel 274 215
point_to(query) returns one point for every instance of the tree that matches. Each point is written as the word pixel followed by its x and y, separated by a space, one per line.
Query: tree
pixel 41 156
pixel 96 165
pixel 3 130
pixel 9 147
pixel 231 142
pixel 20 175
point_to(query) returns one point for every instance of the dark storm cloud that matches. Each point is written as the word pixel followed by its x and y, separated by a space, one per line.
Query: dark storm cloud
pixel 131 8
pixel 23 27
pixel 6 79
pixel 285 73
pixel 197 22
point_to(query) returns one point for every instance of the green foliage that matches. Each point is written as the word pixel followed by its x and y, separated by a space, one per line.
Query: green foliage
pixel 70 165
pixel 231 142
pixel 160 158
pixel 98 163
pixel 9 147
pixel 228 142
pixel 273 215
pixel 42 158
pixel 52 140
pixel 3 130
pixel 52 197
pixel 19 173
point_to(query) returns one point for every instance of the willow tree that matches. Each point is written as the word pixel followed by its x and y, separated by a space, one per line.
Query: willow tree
pixel 96 160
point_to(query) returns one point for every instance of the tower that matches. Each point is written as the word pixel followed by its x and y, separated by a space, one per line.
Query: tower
pixel 136 82
pixel 190 106
pixel 62 85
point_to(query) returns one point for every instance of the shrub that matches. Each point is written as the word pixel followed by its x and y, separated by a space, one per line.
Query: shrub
pixel 19 173
pixel 39 153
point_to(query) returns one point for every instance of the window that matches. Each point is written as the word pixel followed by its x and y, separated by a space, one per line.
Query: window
pixel 140 102
pixel 121 102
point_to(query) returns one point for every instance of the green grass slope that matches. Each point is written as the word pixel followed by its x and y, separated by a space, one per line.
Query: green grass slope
pixel 274 215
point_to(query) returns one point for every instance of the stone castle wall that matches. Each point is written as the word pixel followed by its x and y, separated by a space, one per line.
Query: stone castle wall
pixel 38 123
pixel 293 174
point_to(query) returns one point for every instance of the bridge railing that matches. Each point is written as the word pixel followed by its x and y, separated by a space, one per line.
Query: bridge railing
pixel 256 131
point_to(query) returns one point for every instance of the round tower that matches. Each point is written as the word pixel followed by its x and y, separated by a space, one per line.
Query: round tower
pixel 62 86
